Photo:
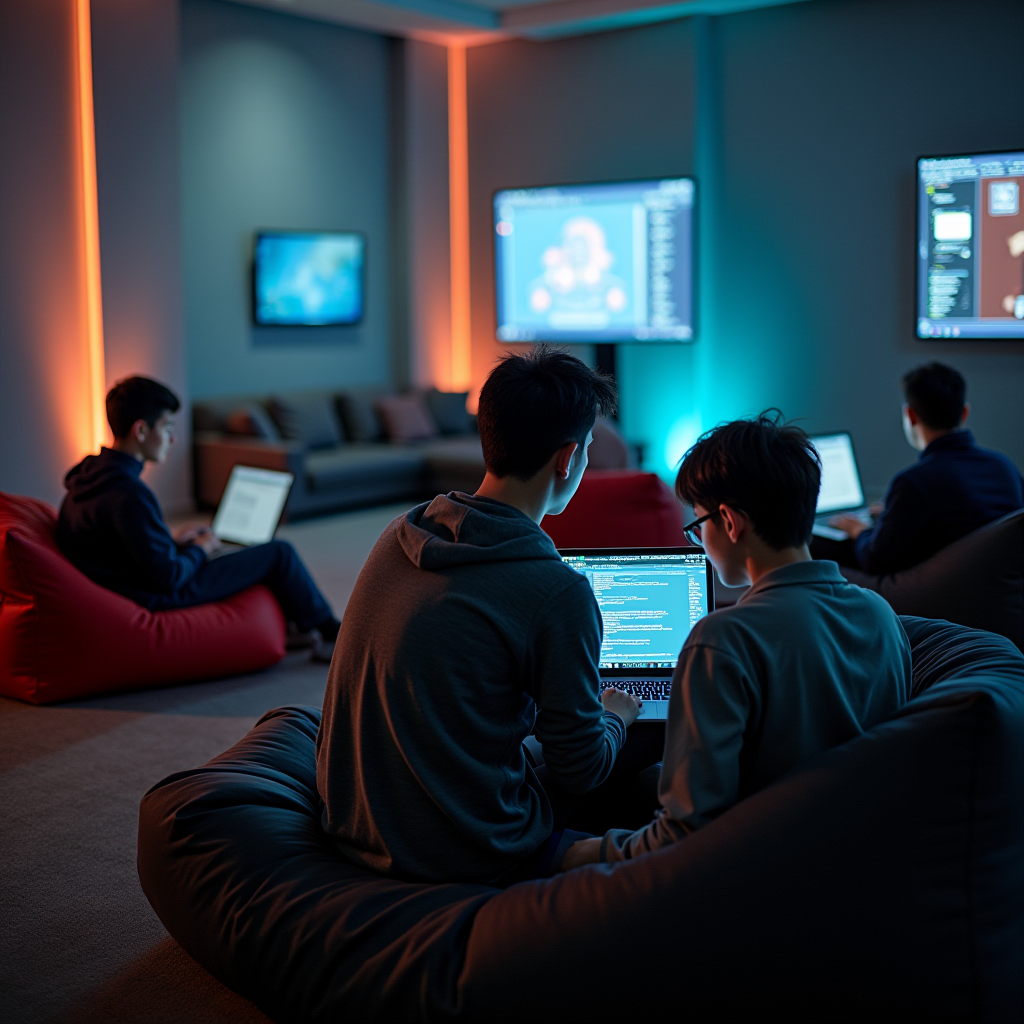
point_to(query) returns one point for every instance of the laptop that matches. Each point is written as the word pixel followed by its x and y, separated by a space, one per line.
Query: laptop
pixel 251 508
pixel 649 600
pixel 841 488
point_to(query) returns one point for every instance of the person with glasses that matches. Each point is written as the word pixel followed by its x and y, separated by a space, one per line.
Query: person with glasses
pixel 803 662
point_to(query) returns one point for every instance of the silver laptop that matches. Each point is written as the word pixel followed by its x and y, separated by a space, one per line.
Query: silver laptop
pixel 251 508
pixel 649 600
pixel 841 488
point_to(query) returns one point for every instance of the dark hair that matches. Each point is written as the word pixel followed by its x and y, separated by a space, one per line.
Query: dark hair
pixel 138 398
pixel 533 404
pixel 937 394
pixel 764 467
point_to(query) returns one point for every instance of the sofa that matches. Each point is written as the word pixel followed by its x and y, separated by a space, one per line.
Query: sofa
pixel 346 449
pixel 63 637
pixel 976 581
pixel 880 880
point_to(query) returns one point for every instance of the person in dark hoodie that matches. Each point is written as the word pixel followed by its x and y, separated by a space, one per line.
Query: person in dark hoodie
pixel 111 528
pixel 465 633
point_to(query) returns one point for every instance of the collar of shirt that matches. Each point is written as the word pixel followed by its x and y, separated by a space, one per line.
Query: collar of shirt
pixel 956 440
pixel 797 574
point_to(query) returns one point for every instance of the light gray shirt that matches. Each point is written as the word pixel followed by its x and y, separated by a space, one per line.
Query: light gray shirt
pixel 803 662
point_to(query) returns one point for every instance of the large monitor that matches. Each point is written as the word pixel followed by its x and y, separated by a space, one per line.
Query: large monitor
pixel 595 263
pixel 970 236
pixel 309 279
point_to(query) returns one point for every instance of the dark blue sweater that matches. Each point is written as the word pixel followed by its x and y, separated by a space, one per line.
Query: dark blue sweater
pixel 954 489
pixel 111 527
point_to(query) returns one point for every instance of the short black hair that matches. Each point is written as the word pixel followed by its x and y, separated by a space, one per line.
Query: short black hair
pixel 138 398
pixel 533 404
pixel 764 467
pixel 937 394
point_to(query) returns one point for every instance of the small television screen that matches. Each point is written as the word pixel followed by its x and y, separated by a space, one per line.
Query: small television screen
pixel 970 238
pixel 596 263
pixel 308 278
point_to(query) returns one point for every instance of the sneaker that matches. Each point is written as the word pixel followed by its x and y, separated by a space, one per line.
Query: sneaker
pixel 323 650
pixel 296 641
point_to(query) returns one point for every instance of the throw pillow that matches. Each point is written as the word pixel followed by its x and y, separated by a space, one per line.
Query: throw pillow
pixel 252 421
pixel 405 418
pixel 307 417
pixel 358 416
pixel 449 411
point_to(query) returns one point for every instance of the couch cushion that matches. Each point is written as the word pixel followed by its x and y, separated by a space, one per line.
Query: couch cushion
pixel 978 581
pixel 882 874
pixel 252 420
pixel 358 415
pixel 306 416
pixel 405 418
pixel 448 409
pixel 62 637
pixel 354 464
pixel 454 453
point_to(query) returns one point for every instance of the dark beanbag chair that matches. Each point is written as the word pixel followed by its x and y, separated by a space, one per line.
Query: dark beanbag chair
pixel 879 881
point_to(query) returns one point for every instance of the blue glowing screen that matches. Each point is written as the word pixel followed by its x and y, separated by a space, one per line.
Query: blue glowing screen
pixel 600 263
pixel 309 279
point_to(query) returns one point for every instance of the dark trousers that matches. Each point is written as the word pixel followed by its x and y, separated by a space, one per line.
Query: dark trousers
pixel 828 550
pixel 276 565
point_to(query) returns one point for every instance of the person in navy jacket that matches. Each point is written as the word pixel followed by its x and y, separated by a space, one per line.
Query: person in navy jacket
pixel 953 489
pixel 112 529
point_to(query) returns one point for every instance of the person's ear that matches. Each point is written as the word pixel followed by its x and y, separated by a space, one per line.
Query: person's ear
pixel 911 415
pixel 733 521
pixel 966 413
pixel 139 429
pixel 563 459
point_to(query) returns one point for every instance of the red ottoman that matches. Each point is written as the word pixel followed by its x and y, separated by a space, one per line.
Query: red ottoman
pixel 62 637
pixel 623 508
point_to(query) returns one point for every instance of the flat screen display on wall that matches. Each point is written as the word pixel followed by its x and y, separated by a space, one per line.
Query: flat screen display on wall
pixel 308 279
pixel 970 239
pixel 596 263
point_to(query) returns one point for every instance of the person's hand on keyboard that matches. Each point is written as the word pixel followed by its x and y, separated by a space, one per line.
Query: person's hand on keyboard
pixel 852 526
pixel 620 703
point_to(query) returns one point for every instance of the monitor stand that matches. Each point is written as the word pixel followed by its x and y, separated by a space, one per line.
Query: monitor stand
pixel 605 354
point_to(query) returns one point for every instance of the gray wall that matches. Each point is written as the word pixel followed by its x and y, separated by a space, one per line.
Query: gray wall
pixel 135 82
pixel 44 379
pixel 284 124
pixel 802 124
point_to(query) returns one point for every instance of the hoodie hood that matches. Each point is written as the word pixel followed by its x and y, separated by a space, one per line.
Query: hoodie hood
pixel 95 473
pixel 460 529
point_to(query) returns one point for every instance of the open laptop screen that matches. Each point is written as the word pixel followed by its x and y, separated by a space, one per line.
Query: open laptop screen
pixel 252 505
pixel 649 602
pixel 840 480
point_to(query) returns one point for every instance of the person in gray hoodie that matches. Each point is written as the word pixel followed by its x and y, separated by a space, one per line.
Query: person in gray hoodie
pixel 465 633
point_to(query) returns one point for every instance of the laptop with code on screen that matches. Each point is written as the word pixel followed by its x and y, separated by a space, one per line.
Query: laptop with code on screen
pixel 251 508
pixel 649 599
pixel 841 488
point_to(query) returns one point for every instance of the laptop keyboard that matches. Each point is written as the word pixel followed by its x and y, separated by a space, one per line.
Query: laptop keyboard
pixel 645 689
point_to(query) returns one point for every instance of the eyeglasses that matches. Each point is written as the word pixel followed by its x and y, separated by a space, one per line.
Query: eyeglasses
pixel 692 531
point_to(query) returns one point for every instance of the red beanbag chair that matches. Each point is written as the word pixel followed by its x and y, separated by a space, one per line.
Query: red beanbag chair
pixel 619 508
pixel 62 637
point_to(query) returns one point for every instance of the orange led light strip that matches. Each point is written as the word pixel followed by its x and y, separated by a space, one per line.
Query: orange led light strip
pixel 90 222
pixel 458 214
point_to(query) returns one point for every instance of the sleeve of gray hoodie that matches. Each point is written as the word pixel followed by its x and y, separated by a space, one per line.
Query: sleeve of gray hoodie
pixel 580 739
pixel 708 711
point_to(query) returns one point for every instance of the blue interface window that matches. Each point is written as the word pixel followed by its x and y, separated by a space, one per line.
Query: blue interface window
pixel 649 604
pixel 602 263
pixel 970 280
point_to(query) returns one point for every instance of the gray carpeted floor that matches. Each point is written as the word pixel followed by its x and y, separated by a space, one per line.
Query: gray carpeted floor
pixel 78 940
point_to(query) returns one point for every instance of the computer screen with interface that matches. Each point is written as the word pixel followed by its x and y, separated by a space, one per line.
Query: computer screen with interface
pixel 252 505
pixel 970 224
pixel 840 480
pixel 649 603
pixel 600 263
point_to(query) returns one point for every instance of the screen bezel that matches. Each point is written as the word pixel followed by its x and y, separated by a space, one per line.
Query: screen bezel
pixel 959 339
pixel 856 465
pixel 286 232
pixel 687 549
pixel 694 271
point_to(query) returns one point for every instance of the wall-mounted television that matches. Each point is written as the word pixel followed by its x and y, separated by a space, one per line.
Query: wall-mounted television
pixel 310 279
pixel 595 263
pixel 970 246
